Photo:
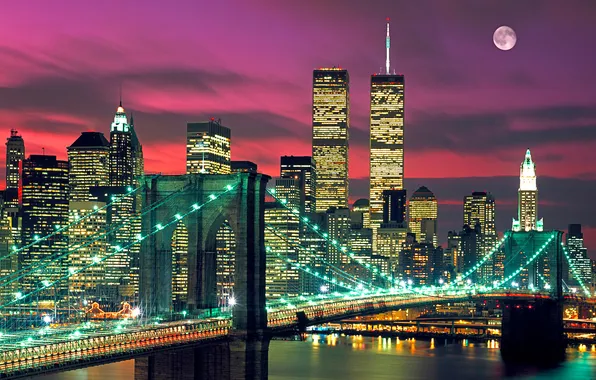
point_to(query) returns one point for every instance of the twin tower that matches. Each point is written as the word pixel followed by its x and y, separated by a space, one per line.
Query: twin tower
pixel 330 120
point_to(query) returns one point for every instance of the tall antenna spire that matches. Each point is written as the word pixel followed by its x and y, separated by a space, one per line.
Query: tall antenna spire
pixel 120 94
pixel 387 46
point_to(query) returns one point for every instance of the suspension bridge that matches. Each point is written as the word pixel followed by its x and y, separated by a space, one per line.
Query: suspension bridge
pixel 232 341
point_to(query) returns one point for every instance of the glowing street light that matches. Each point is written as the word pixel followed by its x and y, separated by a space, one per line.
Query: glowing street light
pixel 324 288
pixel 232 301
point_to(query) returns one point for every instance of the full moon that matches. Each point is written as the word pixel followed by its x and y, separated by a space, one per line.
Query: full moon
pixel 504 38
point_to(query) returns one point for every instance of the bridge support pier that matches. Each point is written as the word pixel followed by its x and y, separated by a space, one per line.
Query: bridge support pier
pixel 236 359
pixel 533 332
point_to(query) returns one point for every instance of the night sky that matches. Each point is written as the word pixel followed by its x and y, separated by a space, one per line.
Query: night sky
pixel 471 109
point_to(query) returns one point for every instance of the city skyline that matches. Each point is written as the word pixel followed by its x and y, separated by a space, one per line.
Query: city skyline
pixel 84 103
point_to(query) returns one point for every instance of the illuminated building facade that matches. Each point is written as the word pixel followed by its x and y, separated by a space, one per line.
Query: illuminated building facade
pixel 44 202
pixel 423 212
pixel 225 247
pixel 578 256
pixel 88 219
pixel 303 169
pixel 180 267
pixel 89 164
pixel 126 164
pixel 283 240
pixel 208 148
pixel 479 209
pixel 15 153
pixel 390 239
pixel 527 198
pixel 10 263
pixel 330 134
pixel 338 227
pixel 386 140
pixel 414 262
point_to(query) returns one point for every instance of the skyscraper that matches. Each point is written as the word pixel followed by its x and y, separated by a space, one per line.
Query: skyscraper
pixel 527 198
pixel 208 148
pixel 15 152
pixel 387 98
pixel 423 212
pixel 126 165
pixel 45 208
pixel 85 236
pixel 578 255
pixel 302 168
pixel 479 208
pixel 122 163
pixel 283 238
pixel 330 133
pixel 88 157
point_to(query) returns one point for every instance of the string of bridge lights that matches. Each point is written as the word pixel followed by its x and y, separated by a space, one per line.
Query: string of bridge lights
pixel 59 229
pixel 574 272
pixel 339 271
pixel 91 239
pixel 18 296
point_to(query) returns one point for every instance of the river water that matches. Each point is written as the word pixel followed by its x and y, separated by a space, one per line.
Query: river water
pixel 323 357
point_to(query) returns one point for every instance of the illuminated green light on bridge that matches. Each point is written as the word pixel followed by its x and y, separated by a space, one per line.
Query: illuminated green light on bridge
pixel 272 191
pixel 18 295
pixel 35 237
pixel 96 259
pixel 212 197
pixel 315 227
pixel 129 189
pixel 284 201
pixel 159 227
pixel 46 283
pixel 229 187
pixel 178 216
pixel 196 206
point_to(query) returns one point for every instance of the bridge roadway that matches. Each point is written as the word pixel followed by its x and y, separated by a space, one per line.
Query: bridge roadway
pixel 90 344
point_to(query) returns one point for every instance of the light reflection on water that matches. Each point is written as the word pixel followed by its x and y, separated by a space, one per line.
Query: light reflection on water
pixel 332 356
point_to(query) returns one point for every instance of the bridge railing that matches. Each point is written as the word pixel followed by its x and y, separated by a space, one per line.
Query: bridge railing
pixel 107 344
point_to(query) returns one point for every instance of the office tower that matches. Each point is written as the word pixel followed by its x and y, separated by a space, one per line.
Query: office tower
pixel 527 198
pixel 360 214
pixel 387 97
pixel 88 247
pixel 225 246
pixel 578 256
pixel 9 263
pixel 390 239
pixel 479 208
pixel 302 168
pixel 414 262
pixel 330 133
pixel 45 208
pixel 316 247
pixel 338 226
pixel 452 254
pixel 282 239
pixel 180 267
pixel 423 213
pixel 88 157
pixel 470 240
pixel 436 264
pixel 208 148
pixel 126 165
pixel 15 153
pixel 394 206
pixel 243 167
